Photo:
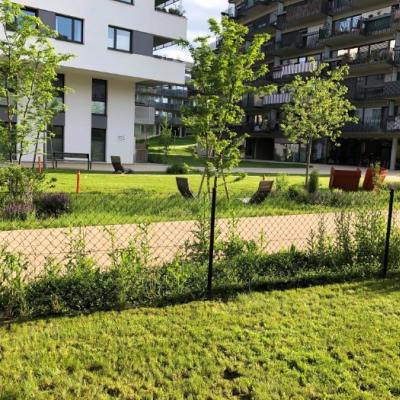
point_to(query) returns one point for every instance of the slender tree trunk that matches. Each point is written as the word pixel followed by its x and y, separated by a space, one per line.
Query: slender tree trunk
pixel 201 183
pixel 36 149
pixel 226 187
pixel 309 151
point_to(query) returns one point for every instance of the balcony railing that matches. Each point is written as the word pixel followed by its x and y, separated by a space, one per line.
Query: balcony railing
pixel 376 26
pixel 293 69
pixel 389 56
pixel 295 14
pixel 392 90
pixel 264 24
pixel 370 125
pixel 299 41
pixel 247 5
pixel 393 124
pixel 366 93
pixel 339 6
pixel 277 98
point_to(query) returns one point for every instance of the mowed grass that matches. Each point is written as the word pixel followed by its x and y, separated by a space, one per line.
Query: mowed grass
pixel 159 183
pixel 109 199
pixel 182 150
pixel 327 342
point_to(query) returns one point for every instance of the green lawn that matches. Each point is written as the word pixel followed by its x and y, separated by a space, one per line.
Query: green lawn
pixel 182 149
pixel 108 199
pixel 160 183
pixel 328 342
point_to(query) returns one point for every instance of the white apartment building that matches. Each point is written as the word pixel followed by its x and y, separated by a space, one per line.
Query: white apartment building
pixel 113 42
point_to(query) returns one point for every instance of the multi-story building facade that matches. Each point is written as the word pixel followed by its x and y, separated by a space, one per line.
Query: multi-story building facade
pixel 157 103
pixel 365 34
pixel 113 42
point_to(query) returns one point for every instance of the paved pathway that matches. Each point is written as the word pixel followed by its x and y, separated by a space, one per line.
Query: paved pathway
pixel 165 239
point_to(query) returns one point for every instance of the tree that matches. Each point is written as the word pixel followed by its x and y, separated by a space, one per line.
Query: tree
pixel 28 71
pixel 166 137
pixel 318 108
pixel 220 78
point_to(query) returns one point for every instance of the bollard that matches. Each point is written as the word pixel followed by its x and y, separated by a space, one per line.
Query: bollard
pixel 40 165
pixel 78 182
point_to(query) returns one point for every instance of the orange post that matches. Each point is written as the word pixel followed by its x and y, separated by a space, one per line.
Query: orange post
pixel 40 165
pixel 78 182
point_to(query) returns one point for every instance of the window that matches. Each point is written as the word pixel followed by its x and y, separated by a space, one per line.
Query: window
pixel 59 83
pixel 98 144
pixel 30 11
pixel 55 141
pixel 99 97
pixel 119 39
pixel 69 29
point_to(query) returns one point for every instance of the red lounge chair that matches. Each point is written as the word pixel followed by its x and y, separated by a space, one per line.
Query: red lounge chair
pixel 348 181
pixel 369 178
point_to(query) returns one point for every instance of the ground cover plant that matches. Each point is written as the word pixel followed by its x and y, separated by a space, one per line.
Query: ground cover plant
pixel 326 342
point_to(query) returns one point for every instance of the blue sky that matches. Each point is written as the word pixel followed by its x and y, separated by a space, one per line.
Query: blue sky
pixel 197 13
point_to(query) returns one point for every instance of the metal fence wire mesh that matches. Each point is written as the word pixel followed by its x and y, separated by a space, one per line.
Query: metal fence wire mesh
pixel 331 228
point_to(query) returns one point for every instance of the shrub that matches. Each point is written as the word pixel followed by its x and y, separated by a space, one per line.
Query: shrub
pixel 313 184
pixel 179 169
pixel 52 204
pixel 281 183
pixel 156 158
pixel 17 211
pixel 12 287
pixel 297 194
pixel 22 184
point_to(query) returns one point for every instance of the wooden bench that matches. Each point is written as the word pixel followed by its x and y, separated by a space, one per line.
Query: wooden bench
pixel 61 156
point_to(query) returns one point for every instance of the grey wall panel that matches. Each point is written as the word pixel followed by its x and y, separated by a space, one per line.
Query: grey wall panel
pixel 99 121
pixel 143 43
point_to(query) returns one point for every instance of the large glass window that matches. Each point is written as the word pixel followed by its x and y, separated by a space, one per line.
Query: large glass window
pixel 99 97
pixel 98 144
pixel 70 29
pixel 119 39
pixel 55 141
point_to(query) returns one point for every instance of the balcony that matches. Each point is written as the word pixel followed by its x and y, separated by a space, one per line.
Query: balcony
pixel 341 6
pixel 392 90
pixel 165 6
pixel 378 61
pixel 367 126
pixel 393 124
pixel 286 71
pixel 308 13
pixel 366 93
pixel 379 26
pixel 250 9
pixel 296 42
pixel 266 24
pixel 277 99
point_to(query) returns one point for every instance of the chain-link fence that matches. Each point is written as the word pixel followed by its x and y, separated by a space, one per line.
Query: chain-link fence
pixel 219 239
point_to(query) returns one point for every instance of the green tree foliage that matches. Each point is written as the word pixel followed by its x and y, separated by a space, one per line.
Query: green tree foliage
pixel 28 70
pixel 318 108
pixel 166 137
pixel 221 77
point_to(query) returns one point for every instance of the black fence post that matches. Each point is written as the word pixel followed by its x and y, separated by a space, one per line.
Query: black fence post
pixel 388 235
pixel 212 238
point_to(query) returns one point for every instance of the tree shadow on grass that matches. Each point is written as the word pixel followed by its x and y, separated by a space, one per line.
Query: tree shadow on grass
pixel 366 284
